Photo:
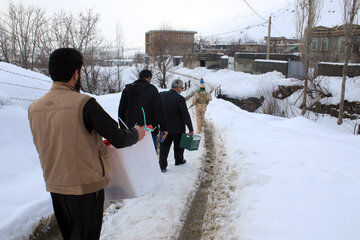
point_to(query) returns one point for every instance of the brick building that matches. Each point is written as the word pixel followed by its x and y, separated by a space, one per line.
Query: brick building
pixel 283 45
pixel 231 49
pixel 328 44
pixel 169 42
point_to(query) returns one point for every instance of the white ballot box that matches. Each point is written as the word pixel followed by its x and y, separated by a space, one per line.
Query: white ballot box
pixel 134 170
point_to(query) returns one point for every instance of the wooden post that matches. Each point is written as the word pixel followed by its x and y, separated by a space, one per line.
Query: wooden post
pixel 268 40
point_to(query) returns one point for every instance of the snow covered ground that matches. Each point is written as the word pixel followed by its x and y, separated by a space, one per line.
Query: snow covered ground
pixel 288 178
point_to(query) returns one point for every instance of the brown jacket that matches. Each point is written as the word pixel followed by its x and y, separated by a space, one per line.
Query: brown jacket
pixel 201 100
pixel 74 161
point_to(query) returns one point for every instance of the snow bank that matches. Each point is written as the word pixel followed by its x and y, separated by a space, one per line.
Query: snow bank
pixel 296 179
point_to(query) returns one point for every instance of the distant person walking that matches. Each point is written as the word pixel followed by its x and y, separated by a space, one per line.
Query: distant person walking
pixel 200 100
pixel 177 116
pixel 141 94
pixel 67 129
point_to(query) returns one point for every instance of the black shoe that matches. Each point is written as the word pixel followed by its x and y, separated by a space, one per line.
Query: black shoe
pixel 184 161
pixel 163 170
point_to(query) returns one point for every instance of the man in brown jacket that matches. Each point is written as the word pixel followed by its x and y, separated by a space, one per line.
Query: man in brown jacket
pixel 67 130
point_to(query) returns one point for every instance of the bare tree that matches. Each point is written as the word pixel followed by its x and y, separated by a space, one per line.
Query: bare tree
pixel 235 45
pixel 119 53
pixel 164 50
pixel 47 44
pixel 20 30
pixel 351 9
pixel 139 65
pixel 109 81
pixel 62 28
pixel 5 42
pixel 163 63
pixel 307 15
pixel 82 34
pixel 201 42
pixel 27 38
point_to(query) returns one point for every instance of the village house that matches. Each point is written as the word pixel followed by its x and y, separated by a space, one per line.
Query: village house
pixel 283 45
pixel 328 44
pixel 169 42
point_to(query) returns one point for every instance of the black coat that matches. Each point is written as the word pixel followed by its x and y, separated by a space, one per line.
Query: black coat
pixel 137 95
pixel 176 112
pixel 95 118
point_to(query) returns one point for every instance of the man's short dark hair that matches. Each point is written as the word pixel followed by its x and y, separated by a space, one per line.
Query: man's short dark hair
pixel 63 62
pixel 145 74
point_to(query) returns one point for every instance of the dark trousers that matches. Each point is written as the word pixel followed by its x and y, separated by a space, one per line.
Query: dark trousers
pixel 155 141
pixel 165 148
pixel 79 216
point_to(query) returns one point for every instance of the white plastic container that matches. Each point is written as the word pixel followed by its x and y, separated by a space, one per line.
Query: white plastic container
pixel 134 170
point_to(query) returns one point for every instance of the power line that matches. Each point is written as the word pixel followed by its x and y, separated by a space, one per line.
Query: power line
pixel 254 10
pixel 283 10
pixel 240 29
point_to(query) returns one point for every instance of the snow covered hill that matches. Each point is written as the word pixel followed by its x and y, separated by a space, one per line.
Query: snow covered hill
pixel 283 21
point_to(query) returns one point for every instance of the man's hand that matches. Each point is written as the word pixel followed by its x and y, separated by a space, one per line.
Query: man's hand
pixel 141 132
pixel 191 133
pixel 164 136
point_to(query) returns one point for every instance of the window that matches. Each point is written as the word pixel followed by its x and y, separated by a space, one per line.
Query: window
pixel 341 44
pixel 314 44
pixel 356 44
pixel 324 44
pixel 181 36
pixel 188 36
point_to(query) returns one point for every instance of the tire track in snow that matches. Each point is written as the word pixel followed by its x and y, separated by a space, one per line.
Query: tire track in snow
pixel 212 199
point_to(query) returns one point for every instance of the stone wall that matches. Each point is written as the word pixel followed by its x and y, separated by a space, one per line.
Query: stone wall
pixel 258 67
pixel 351 109
pixel 337 70
pixel 273 56
pixel 270 66
pixel 245 62
pixel 249 104
pixel 244 65
pixel 212 61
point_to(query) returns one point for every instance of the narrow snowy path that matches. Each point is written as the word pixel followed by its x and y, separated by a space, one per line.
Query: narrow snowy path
pixel 193 227
pixel 207 213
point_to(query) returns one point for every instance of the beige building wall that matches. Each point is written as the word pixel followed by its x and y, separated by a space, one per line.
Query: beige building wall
pixel 173 42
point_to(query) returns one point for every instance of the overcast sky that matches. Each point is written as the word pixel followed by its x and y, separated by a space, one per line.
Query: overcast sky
pixel 138 16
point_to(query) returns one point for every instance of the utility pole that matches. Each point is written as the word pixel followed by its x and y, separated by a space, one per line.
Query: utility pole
pixel 268 41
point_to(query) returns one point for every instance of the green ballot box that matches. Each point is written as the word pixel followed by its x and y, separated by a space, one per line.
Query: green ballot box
pixel 190 142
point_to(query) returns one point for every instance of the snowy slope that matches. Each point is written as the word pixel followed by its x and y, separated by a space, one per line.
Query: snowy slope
pixel 296 179
pixel 23 197
pixel 283 20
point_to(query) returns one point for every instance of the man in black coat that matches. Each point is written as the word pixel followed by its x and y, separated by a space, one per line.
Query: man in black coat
pixel 177 116
pixel 141 94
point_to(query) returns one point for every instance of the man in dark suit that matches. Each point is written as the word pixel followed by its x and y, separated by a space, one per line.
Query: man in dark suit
pixel 177 116
pixel 142 94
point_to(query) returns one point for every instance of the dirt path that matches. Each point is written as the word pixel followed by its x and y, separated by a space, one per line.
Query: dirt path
pixel 195 226
pixel 206 216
